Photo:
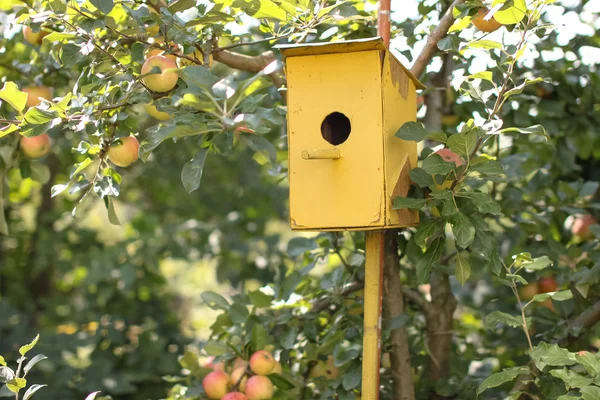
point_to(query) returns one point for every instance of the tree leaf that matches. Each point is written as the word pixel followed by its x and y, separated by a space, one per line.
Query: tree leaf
pixel 463 143
pixel 2 361
pixel 191 174
pixel 590 393
pixel 405 202
pixel 463 230
pixel 421 178
pixel 105 6
pixel 531 130
pixel 499 378
pixel 6 374
pixel 92 396
pixel 31 363
pixel 435 164
pixel 24 349
pixel 553 355
pixel 538 263
pixel 512 13
pixel 16 384
pixel 281 382
pixel 589 362
pixel 570 378
pixel 11 94
pixel 112 213
pixel 412 131
pixel 31 391
pixel 214 300
pixel 498 317
pixel 463 269
pixel 431 256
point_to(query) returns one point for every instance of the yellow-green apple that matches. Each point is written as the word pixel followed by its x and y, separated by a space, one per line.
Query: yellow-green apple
pixel 34 93
pixel 484 25
pixel 262 362
pixel 325 369
pixel 166 79
pixel 234 396
pixel 450 156
pixel 236 375
pixel 277 369
pixel 33 37
pixel 528 291
pixel 124 152
pixel 581 226
pixel 259 388
pixel 154 112
pixel 216 384
pixel 36 146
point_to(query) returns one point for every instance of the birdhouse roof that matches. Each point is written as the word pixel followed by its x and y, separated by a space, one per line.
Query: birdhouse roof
pixel 345 46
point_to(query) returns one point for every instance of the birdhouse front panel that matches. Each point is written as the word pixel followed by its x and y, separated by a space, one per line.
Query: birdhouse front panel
pixel 346 101
pixel 399 106
pixel 336 166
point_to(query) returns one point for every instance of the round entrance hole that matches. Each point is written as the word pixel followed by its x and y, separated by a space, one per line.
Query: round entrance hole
pixel 335 128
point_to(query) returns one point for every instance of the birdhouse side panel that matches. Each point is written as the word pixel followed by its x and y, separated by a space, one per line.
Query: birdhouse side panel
pixel 335 142
pixel 399 106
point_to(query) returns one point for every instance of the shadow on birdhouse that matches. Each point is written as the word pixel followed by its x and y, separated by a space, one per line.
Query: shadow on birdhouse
pixel 346 101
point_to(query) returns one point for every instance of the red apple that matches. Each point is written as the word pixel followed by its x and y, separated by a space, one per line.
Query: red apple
pixel 215 366
pixel 234 396
pixel 164 81
pixel 528 291
pixel 124 152
pixel 34 93
pixel 215 384
pixel 547 285
pixel 450 156
pixel 259 388
pixel 581 226
pixel 33 37
pixel 262 362
pixel 240 363
pixel 483 25
pixel 37 146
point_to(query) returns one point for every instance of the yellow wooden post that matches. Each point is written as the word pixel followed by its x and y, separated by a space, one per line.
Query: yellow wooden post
pixel 372 319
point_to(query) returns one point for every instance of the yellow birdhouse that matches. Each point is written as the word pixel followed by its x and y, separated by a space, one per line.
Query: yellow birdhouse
pixel 346 101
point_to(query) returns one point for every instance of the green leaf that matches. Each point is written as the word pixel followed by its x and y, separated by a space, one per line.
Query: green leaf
pixel 260 337
pixel 112 213
pixel 199 77
pixel 531 130
pixel 24 349
pixel 214 348
pixel 31 363
pixel 2 362
pixel 498 317
pixel 538 263
pixel 298 245
pixel 260 144
pixel 281 382
pixel 352 377
pixel 259 299
pixel 214 300
pixel 405 202
pixel 412 131
pixel 482 201
pixel 16 384
pixel 181 5
pixel 191 174
pixel 571 379
pixel 485 75
pixel 105 6
pixel 238 313
pixel 77 168
pixel 484 44
pixel 519 89
pixel 6 374
pixel 435 164
pixel 513 14
pixel 463 269
pixel 426 230
pixel 463 230
pixel 438 137
pixel 553 355
pixel 421 178
pixel 590 393
pixel 491 167
pixel 431 256
pixel 70 55
pixel 499 378
pixel 557 296
pixel 589 362
pixel 11 94
pixel 31 391
pixel 463 143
